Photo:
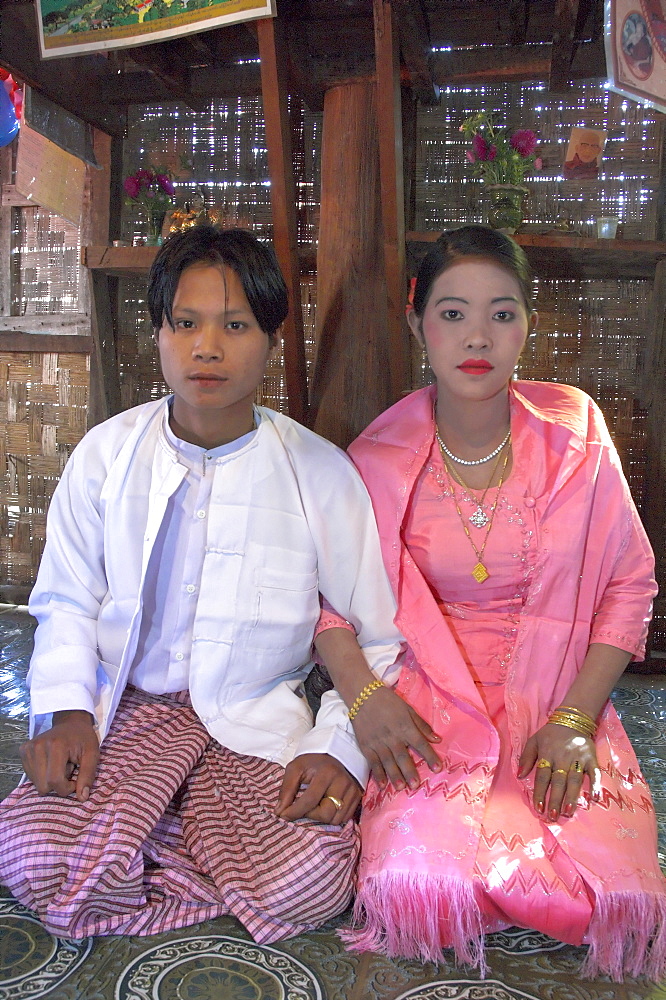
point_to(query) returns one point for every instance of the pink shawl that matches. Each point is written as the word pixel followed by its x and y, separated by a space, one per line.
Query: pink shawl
pixel 593 581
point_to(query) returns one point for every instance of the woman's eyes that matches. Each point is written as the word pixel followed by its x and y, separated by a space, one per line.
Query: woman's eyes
pixel 184 324
pixel 236 325
pixel 502 315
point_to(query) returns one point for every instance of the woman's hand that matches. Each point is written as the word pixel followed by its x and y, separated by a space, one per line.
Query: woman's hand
pixel 386 727
pixel 569 757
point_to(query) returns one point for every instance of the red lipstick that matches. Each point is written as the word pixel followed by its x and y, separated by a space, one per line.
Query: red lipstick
pixel 475 366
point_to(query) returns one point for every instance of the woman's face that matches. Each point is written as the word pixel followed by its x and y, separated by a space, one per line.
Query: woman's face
pixel 474 327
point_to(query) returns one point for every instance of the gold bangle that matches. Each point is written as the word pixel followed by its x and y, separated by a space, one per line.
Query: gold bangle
pixel 583 716
pixel 363 697
pixel 573 722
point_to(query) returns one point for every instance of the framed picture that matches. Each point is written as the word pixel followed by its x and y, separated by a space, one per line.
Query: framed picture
pixel 583 155
pixel 636 50
pixel 72 27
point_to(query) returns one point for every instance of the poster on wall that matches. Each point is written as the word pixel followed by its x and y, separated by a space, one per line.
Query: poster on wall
pixel 636 50
pixel 71 27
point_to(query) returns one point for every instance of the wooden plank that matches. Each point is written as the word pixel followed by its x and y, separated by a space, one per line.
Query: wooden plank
pixel 350 383
pixel 654 400
pixel 6 154
pixel 47 343
pixel 283 204
pixel 47 323
pixel 104 396
pixel 11 198
pixel 527 62
pixel 563 47
pixel 570 256
pixel 164 61
pixel 416 48
pixel 392 198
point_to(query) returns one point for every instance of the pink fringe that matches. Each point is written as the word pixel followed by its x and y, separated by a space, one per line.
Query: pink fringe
pixel 410 915
pixel 627 936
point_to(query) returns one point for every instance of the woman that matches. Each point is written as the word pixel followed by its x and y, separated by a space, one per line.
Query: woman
pixel 524 585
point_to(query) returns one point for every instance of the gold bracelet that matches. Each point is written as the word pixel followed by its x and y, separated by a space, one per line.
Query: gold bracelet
pixel 368 690
pixel 573 718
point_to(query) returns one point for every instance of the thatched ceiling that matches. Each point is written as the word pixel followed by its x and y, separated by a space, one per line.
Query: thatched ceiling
pixel 442 41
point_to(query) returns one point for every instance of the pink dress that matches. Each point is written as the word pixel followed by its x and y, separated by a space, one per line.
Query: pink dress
pixel 486 664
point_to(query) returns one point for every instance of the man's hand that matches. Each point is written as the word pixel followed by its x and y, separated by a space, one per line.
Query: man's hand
pixel 317 786
pixel 51 759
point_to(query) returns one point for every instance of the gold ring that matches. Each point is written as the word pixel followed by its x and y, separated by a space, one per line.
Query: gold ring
pixel 577 766
pixel 544 763
pixel 560 770
pixel 336 802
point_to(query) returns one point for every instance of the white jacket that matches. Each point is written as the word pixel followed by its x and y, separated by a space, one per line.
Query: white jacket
pixel 289 518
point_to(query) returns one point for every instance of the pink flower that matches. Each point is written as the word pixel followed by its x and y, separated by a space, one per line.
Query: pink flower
pixel 524 141
pixel 132 186
pixel 144 177
pixel 538 163
pixel 470 156
pixel 165 183
pixel 492 152
pixel 480 147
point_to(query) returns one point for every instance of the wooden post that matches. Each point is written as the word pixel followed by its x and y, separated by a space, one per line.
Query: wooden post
pixel 389 130
pixel 351 382
pixel 102 290
pixel 653 400
pixel 283 203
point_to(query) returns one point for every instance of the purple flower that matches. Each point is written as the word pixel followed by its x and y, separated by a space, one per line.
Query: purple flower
pixel 132 186
pixel 524 141
pixel 165 183
pixel 144 177
pixel 480 147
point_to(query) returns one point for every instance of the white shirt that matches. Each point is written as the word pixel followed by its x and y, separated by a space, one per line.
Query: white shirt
pixel 288 517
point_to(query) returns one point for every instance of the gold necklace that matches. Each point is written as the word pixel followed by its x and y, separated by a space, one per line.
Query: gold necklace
pixel 479 518
pixel 480 572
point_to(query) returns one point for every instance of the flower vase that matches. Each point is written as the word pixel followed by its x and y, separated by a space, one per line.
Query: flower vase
pixel 155 222
pixel 506 206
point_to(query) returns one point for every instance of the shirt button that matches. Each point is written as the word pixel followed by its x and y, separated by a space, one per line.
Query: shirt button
pixel 530 502
pixel 180 656
pixel 201 513
pixel 190 588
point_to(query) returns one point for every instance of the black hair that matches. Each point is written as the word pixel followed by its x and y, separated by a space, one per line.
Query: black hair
pixel 255 264
pixel 472 241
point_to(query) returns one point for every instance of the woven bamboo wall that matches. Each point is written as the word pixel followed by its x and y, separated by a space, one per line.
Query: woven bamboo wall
pixel 43 409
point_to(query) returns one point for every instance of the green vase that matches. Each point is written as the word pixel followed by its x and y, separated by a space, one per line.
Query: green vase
pixel 155 222
pixel 506 206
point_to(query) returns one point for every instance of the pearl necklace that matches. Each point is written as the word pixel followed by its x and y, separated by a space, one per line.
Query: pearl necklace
pixel 476 461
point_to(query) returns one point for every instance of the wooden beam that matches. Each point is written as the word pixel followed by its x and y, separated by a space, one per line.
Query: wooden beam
pixel 389 130
pixel 304 74
pixel 164 62
pixel 104 395
pixel 272 49
pixel 49 324
pixel 564 45
pixel 504 63
pixel 46 343
pixel 6 158
pixel 416 48
pixel 71 82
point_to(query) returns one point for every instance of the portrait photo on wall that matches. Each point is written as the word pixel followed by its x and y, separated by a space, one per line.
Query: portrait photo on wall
pixel 583 155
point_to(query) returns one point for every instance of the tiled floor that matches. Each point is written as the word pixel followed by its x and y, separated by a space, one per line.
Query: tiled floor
pixel 218 961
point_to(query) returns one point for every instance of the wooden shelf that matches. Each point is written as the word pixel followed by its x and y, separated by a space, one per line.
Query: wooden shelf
pixel 119 261
pixel 128 262
pixel 561 256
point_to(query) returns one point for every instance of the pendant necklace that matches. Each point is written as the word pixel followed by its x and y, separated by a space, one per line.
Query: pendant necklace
pixel 479 518
pixel 480 571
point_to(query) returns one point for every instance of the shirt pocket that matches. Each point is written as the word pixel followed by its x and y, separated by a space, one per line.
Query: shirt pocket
pixel 286 607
